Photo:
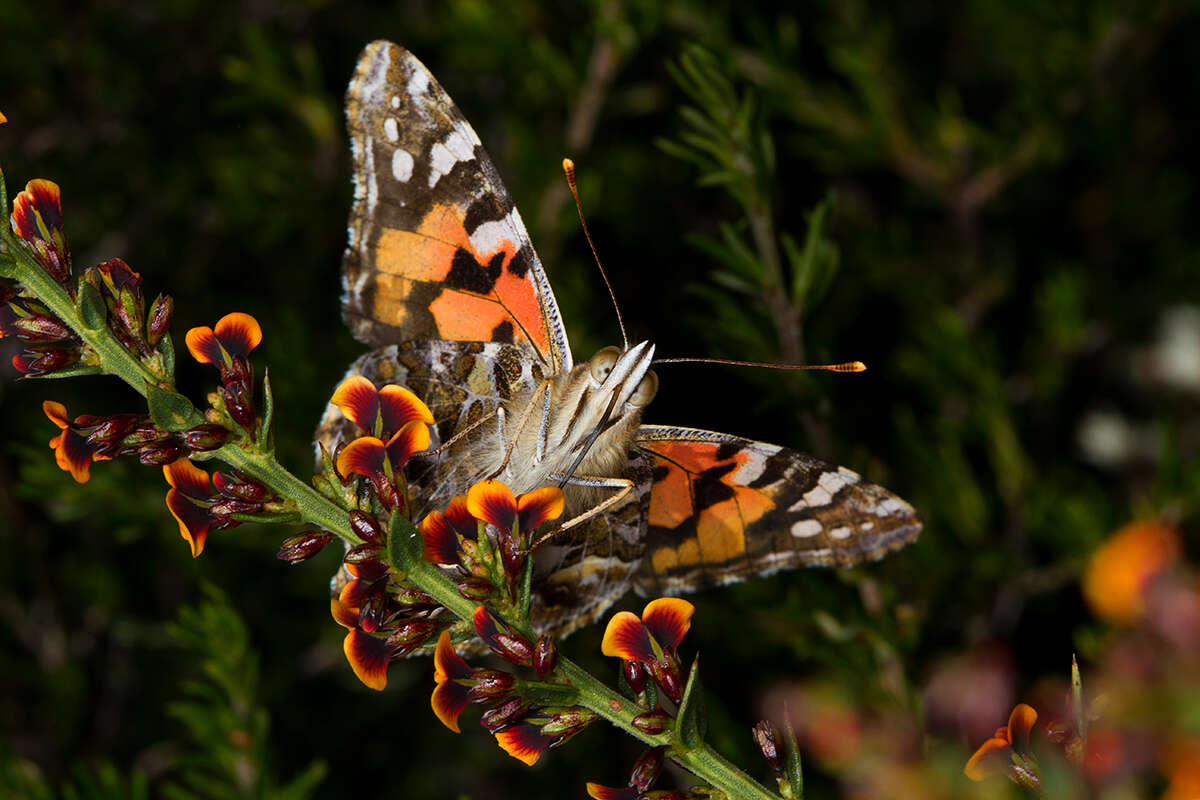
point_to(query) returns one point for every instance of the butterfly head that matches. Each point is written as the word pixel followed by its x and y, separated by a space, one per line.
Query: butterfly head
pixel 624 376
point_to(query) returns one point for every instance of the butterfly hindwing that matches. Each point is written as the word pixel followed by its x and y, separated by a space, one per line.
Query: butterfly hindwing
pixel 724 508
pixel 437 249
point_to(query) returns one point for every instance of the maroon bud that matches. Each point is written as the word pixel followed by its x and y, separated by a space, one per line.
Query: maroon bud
pixel 568 721
pixel 366 527
pixel 239 404
pixel 364 554
pixel 409 597
pixel 545 655
pixel 635 675
pixel 160 454
pixel 476 588
pixel 146 433
pixel 511 648
pixel 410 634
pixel 110 430
pixel 203 438
pixel 303 546
pixel 129 311
pixel 652 722
pixel 159 320
pixel 242 487
pixel 666 675
pixel 646 770
pixel 232 505
pixel 510 712
pixel 765 738
pixel 39 328
pixel 44 359
pixel 490 684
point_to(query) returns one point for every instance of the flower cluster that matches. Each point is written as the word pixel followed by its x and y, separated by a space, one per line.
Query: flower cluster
pixel 200 505
pixel 108 295
pixel 227 346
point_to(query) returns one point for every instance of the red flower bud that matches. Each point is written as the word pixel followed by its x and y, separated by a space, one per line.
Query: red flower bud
pixel 364 554
pixel 491 684
pixel 110 430
pixel 666 675
pixel 510 712
pixel 476 588
pixel 635 675
pixel 44 359
pixel 303 546
pixel 232 505
pixel 242 487
pixel 765 738
pixel 646 770
pixel 366 527
pixel 39 328
pixel 160 454
pixel 652 722
pixel 409 597
pixel 568 722
pixel 146 433
pixel 239 402
pixel 159 320
pixel 203 438
pixel 545 655
pixel 410 634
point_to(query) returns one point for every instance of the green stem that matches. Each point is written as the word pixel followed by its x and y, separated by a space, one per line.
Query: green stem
pixel 314 508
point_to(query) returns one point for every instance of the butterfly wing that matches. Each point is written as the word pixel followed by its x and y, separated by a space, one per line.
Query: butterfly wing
pixel 437 249
pixel 723 509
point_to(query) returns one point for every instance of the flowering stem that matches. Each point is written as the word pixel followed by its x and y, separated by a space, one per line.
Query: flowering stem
pixel 255 461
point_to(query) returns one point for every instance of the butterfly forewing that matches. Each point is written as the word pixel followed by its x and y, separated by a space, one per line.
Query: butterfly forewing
pixel 437 249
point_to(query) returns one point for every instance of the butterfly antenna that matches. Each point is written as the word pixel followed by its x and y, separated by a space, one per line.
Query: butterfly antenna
pixel 569 170
pixel 849 366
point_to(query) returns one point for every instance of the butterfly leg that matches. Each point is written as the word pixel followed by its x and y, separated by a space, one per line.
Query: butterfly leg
pixel 623 487
pixel 522 421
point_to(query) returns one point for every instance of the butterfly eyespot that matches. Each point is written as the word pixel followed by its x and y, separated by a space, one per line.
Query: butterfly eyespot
pixel 602 363
pixel 645 391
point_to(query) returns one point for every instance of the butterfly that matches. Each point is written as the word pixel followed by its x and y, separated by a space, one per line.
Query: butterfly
pixel 440 278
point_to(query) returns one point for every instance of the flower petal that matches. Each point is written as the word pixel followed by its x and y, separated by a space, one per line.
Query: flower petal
pixel 1020 723
pixel 368 657
pixel 364 456
pixel 626 637
pixel 459 517
pixel 73 454
pixel 441 545
pixel 992 758
pixel 398 406
pixel 599 792
pixel 343 614
pixel 668 620
pixel 57 413
pixel 203 345
pixel 359 402
pixel 185 476
pixel 524 742
pixel 194 521
pixel 534 508
pixel 493 502
pixel 412 438
pixel 239 333
pixel 450 697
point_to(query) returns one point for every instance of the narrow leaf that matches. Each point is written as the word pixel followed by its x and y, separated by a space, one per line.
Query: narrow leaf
pixel 92 311
pixel 170 411
pixel 690 724
pixel 404 545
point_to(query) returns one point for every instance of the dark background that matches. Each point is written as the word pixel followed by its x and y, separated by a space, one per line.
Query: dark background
pixel 1013 208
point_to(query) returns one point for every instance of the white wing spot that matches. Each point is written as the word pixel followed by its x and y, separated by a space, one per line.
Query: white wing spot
pixel 866 526
pixel 832 481
pixel 806 528
pixel 817 496
pixel 395 101
pixel 391 129
pixel 402 165
pixel 491 236
pixel 454 148
pixel 418 83
pixel 841 532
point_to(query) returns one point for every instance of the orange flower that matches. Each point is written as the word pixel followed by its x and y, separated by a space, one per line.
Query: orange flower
pixel 379 412
pixel 234 336
pixel 72 451
pixel 493 502
pixel 995 755
pixel 1120 569
pixel 662 626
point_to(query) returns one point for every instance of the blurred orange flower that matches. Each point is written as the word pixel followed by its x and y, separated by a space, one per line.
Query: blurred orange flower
pixel 995 755
pixel 1122 566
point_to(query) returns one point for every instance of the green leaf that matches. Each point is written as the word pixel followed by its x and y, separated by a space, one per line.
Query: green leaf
pixel 268 416
pixel 166 349
pixel 405 546
pixel 69 372
pixel 690 723
pixel 792 772
pixel 171 411
pixel 92 311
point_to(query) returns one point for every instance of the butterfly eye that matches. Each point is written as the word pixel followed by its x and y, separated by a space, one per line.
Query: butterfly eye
pixel 645 391
pixel 602 363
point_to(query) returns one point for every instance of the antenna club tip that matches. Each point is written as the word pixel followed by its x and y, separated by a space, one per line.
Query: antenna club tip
pixel 568 166
pixel 856 366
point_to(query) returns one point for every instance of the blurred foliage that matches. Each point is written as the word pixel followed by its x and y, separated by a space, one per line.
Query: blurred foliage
pixel 990 203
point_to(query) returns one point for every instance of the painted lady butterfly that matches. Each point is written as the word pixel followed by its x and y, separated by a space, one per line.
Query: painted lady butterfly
pixel 440 276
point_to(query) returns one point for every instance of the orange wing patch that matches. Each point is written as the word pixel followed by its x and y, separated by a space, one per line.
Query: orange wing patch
pixel 480 298
pixel 696 485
